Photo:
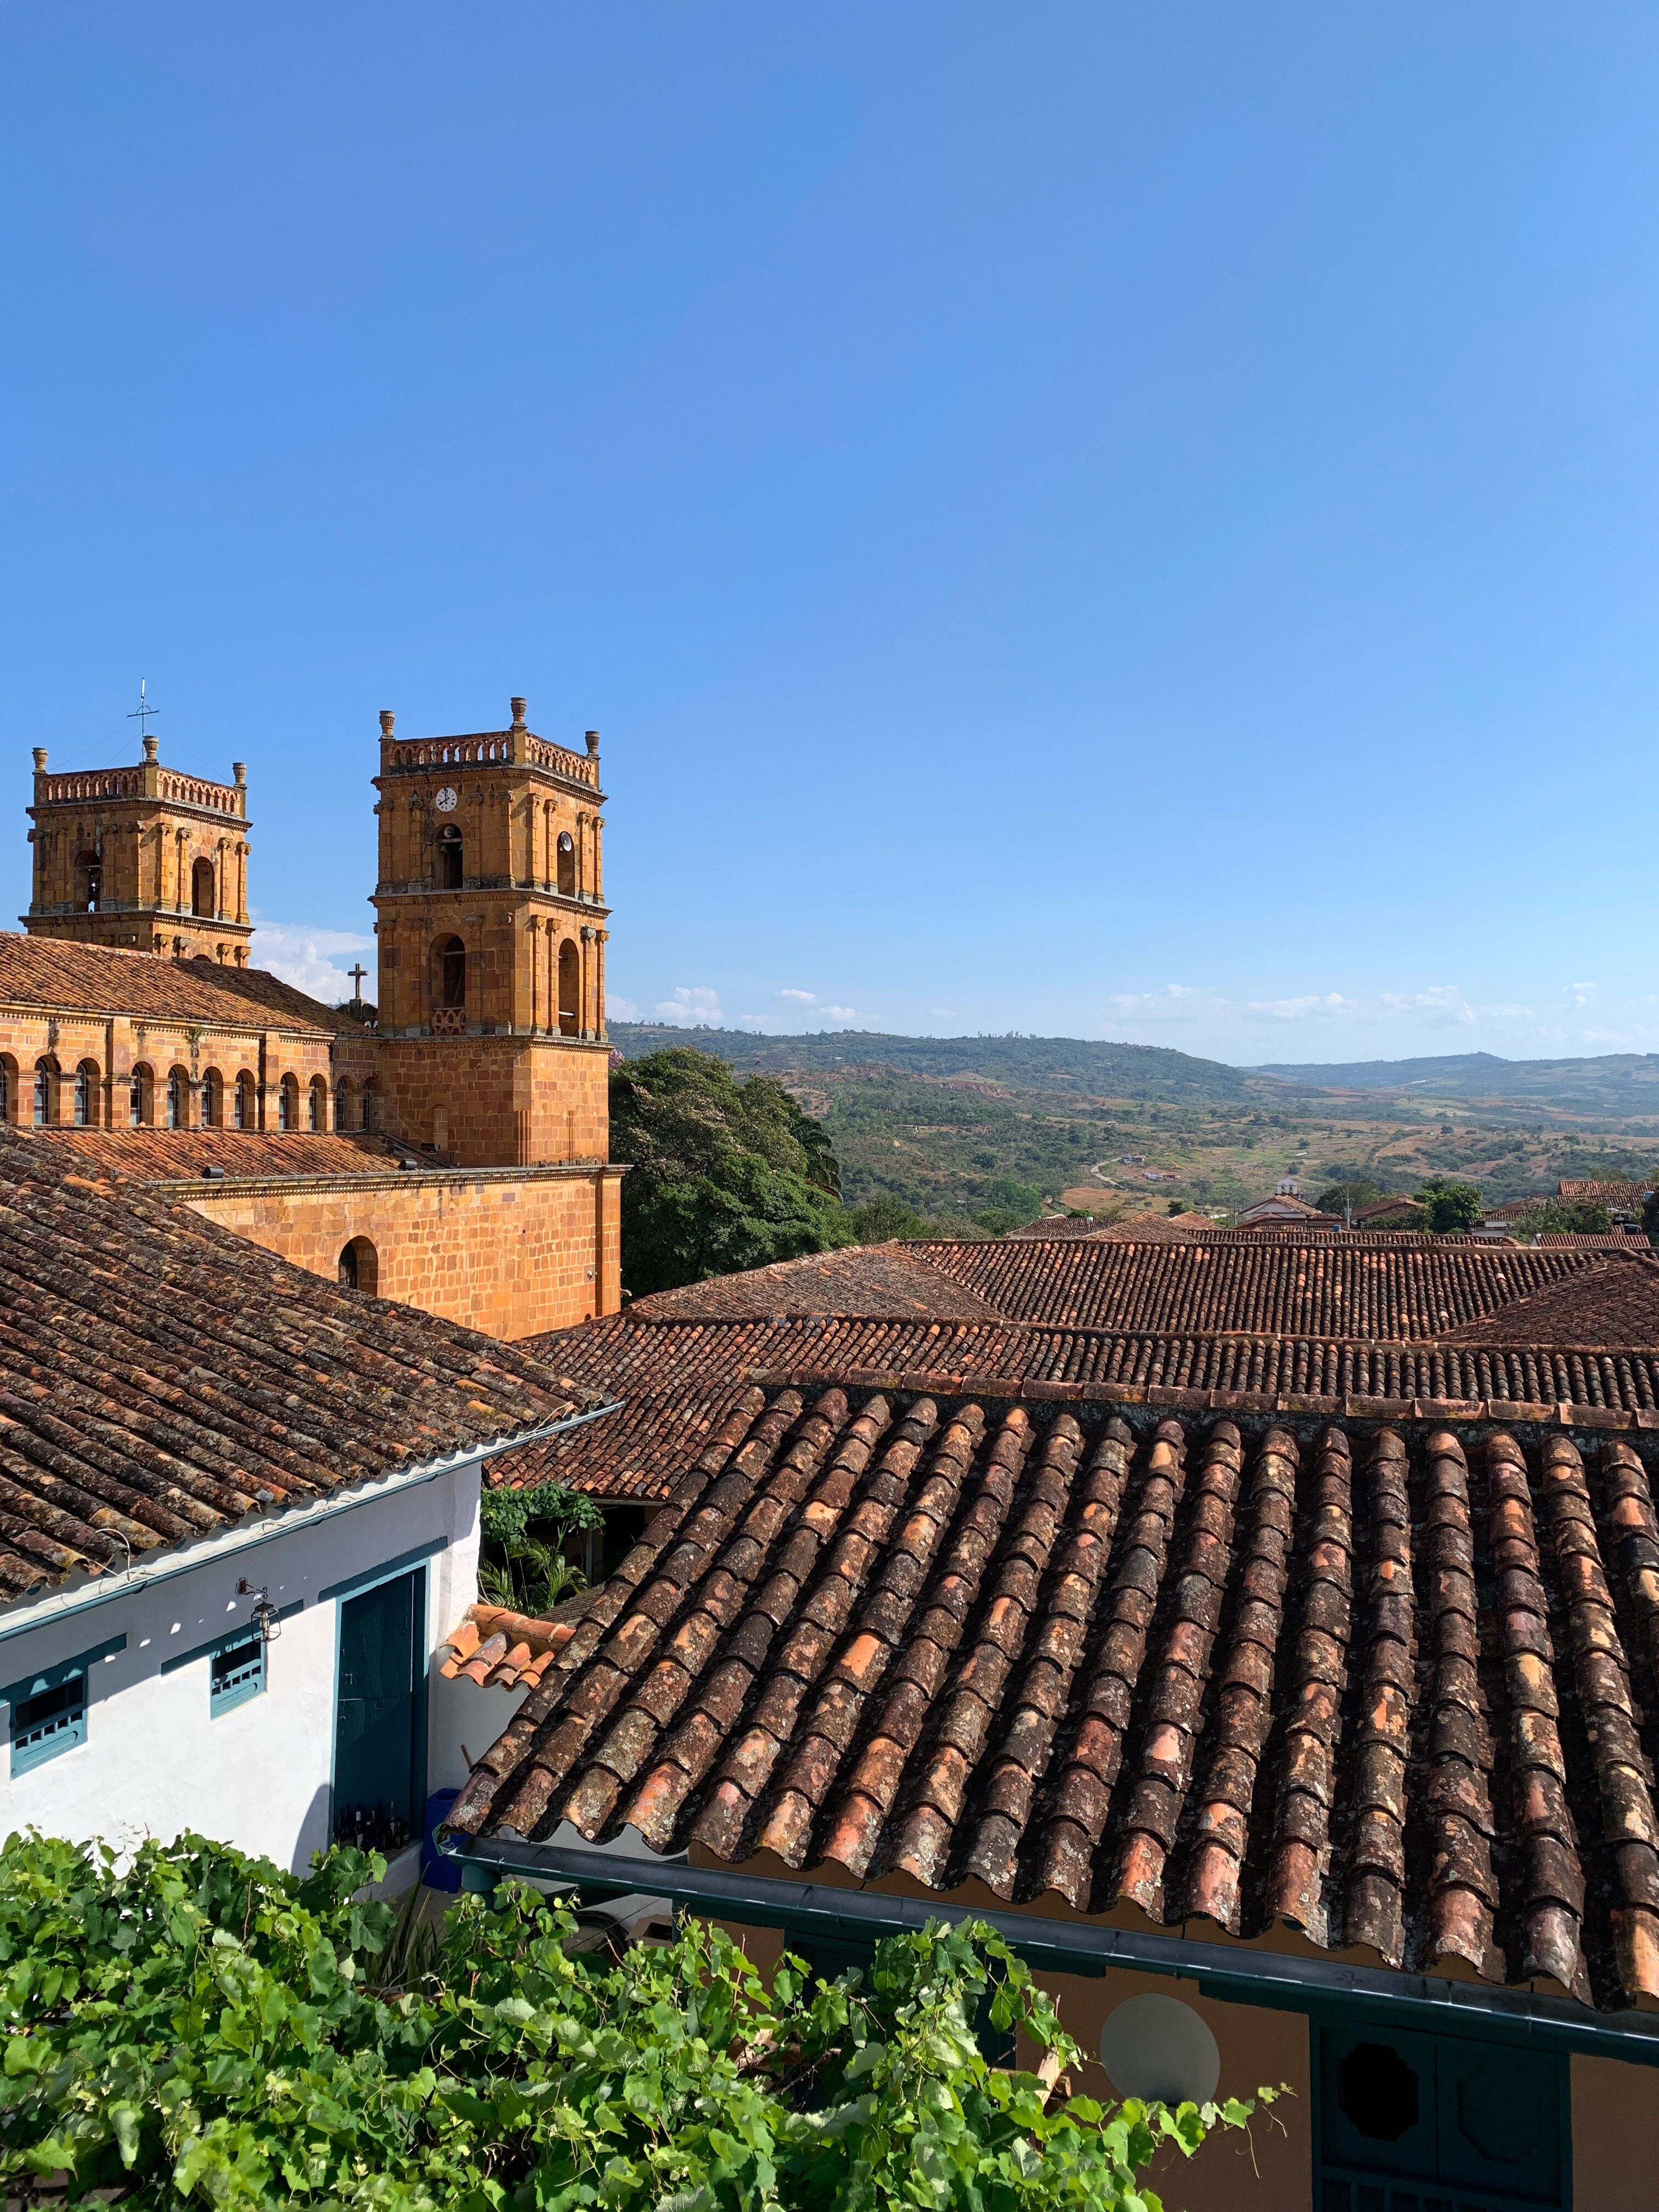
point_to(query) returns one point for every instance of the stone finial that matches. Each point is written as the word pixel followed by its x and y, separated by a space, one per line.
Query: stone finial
pixel 593 743
pixel 387 718
pixel 238 770
pixel 152 745
pixel 518 713
pixel 40 760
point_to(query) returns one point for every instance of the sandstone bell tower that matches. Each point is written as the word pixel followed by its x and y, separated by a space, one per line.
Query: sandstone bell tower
pixel 141 857
pixel 491 942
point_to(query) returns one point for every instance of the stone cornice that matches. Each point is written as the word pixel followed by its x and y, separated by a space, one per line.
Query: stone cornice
pixel 271 1186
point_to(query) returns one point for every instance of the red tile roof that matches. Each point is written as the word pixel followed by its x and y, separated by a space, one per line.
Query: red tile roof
pixel 50 973
pixel 183 1155
pixel 1377 1287
pixel 500 1650
pixel 1627 1196
pixel 887 1280
pixel 1375 1689
pixel 161 1378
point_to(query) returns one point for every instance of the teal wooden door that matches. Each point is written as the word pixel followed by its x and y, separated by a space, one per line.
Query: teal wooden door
pixel 380 1725
pixel 1439 2124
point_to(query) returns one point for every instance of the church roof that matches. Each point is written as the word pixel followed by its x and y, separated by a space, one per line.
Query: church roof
pixel 889 1279
pixel 1372 1691
pixel 186 1155
pixel 62 977
pixel 161 1379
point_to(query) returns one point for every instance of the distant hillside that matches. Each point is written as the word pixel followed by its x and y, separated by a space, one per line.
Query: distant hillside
pixel 1617 1082
pixel 1076 1065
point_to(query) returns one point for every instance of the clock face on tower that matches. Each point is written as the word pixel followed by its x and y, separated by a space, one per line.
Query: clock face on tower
pixel 445 802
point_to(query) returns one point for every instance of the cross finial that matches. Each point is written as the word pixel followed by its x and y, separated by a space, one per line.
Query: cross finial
pixel 357 975
pixel 142 714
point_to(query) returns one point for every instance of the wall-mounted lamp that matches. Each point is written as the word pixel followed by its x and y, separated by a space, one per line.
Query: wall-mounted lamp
pixel 264 1620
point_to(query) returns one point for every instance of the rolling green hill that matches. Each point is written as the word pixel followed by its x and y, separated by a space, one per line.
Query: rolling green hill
pixel 1616 1084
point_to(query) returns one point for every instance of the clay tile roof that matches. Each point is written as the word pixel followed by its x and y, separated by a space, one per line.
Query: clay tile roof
pixel 1061 1225
pixel 1361 1687
pixel 42 971
pixel 1612 1302
pixel 1157 1228
pixel 876 1280
pixel 184 1155
pixel 1627 1196
pixel 161 1378
pixel 1374 1288
pixel 504 1650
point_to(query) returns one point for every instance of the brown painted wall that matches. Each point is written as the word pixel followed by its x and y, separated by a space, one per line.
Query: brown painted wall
pixel 509 1255
pixel 1272 2172
pixel 1615 2136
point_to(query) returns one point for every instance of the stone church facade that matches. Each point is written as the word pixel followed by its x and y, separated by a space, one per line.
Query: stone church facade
pixel 447 1147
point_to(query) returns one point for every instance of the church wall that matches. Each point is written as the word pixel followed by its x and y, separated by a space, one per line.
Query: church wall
pixel 511 1255
pixel 113 1045
pixel 489 1102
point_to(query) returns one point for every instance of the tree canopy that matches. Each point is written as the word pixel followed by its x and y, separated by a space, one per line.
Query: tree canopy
pixel 1580 1217
pixel 722 1175
pixel 201 2029
pixel 1451 1206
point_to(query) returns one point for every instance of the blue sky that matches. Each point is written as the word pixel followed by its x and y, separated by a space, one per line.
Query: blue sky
pixel 1135 522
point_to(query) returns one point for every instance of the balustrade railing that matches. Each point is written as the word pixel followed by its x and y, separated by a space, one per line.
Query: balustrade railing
pixel 448 1021
pixel 490 746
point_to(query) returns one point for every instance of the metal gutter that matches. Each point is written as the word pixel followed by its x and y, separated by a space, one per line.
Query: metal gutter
pixel 263 1528
pixel 1238 1971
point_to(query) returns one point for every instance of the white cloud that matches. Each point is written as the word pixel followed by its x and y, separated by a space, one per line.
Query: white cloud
pixel 800 1010
pixel 313 960
pixel 1429 1019
pixel 620 1009
pixel 806 998
pixel 694 1005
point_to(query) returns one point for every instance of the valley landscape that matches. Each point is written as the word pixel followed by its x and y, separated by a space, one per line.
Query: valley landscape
pixel 950 1125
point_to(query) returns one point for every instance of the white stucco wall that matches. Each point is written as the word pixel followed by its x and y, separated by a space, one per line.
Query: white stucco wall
pixel 155 1761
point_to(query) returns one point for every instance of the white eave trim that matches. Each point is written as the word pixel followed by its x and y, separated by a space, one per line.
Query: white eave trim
pixel 265 1528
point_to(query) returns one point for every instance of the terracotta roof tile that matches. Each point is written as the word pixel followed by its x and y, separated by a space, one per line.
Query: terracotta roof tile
pixel 51 972
pixel 179 1155
pixel 884 1282
pixel 160 1377
pixel 1387 1686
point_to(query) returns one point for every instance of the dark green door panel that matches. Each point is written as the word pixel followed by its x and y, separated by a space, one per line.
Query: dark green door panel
pixel 379 1729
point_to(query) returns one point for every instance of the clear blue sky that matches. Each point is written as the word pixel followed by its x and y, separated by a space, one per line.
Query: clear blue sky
pixel 1133 521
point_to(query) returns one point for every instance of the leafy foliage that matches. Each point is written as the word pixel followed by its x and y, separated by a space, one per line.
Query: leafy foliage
pixel 1451 1206
pixel 1580 1217
pixel 723 1174
pixel 205 2030
pixel 1357 1194
pixel 523 1566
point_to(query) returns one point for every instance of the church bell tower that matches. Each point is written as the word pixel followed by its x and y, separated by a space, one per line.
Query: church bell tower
pixel 141 857
pixel 491 932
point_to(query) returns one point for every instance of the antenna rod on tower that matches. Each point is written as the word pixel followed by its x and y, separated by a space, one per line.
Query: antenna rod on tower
pixel 144 713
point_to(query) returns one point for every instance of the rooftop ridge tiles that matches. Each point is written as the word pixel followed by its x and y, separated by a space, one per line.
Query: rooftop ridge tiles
pixel 1017 1761
pixel 1629 1831
pixel 1078 1808
pixel 725 1594
pixel 933 1835
pixel 1225 1787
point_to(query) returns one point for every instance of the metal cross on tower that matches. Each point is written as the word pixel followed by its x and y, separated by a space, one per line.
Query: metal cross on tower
pixel 144 713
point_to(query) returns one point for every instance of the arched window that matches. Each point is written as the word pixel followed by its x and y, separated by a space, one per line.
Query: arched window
pixel 247 1103
pixel 46 1074
pixel 452 973
pixel 213 1100
pixel 202 899
pixel 319 1117
pixel 570 988
pixel 288 1104
pixel 178 1099
pixel 360 1266
pixel 567 866
pixel 449 858
pixel 8 1089
pixel 141 1097
pixel 89 877
pixel 371 1119
pixel 86 1077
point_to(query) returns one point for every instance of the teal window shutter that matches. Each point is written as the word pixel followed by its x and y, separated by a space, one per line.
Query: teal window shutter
pixel 49 1710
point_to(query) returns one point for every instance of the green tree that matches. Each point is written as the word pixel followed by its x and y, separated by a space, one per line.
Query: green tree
pixel 879 1219
pixel 523 1565
pixel 722 1175
pixel 1341 1196
pixel 204 2030
pixel 1572 1217
pixel 1451 1207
